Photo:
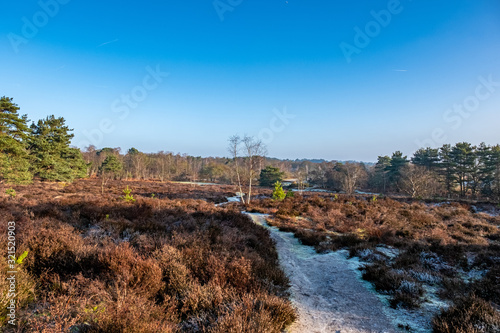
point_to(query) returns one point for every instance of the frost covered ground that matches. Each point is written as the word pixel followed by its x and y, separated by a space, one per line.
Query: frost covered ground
pixel 327 289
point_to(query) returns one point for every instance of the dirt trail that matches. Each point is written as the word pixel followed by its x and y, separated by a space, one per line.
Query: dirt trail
pixel 326 290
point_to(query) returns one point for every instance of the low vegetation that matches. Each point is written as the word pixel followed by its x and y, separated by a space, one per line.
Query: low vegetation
pixel 170 261
pixel 412 250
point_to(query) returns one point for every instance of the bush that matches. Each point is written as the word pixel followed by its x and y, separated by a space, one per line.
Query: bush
pixel 278 193
pixel 128 197
pixel 11 193
pixel 469 315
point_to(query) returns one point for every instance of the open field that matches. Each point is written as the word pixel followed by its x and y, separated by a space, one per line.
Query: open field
pixel 165 263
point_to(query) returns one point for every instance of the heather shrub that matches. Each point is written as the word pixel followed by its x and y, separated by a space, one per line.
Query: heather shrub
pixel 160 265
pixel 469 315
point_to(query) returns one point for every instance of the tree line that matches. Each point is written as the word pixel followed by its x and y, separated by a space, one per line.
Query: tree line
pixel 42 150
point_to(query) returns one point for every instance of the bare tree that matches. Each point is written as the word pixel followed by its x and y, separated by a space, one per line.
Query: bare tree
pixel 349 175
pixel 255 151
pixel 417 181
pixel 234 148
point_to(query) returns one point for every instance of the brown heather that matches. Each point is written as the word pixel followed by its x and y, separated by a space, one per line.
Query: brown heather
pixel 437 245
pixel 170 263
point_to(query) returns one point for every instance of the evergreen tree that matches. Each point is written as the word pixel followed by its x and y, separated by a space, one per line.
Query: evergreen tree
pixel 278 193
pixel 14 131
pixel 380 176
pixel 426 157
pixel 446 168
pixel 489 170
pixel 110 168
pixel 53 159
pixel 270 175
pixel 463 157
pixel 398 161
pixel 494 165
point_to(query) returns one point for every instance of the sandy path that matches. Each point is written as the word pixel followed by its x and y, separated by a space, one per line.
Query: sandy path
pixel 326 290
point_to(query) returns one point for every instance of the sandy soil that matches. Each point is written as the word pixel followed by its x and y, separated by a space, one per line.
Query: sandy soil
pixel 326 289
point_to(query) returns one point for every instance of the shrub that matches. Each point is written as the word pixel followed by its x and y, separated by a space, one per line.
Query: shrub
pixel 128 197
pixel 278 193
pixel 469 315
pixel 11 193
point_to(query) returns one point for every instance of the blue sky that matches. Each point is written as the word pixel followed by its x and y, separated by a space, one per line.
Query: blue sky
pixel 427 76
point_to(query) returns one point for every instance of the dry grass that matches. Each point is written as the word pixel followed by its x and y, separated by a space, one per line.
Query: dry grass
pixel 170 263
pixel 440 245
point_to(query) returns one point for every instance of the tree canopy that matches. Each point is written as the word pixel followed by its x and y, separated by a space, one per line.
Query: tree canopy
pixel 270 175
pixel 42 150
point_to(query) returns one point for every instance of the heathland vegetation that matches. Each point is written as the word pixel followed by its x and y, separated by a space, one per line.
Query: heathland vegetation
pixel 114 242
pixel 166 261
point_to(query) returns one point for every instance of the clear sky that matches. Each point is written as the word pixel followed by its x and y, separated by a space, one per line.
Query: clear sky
pixel 325 79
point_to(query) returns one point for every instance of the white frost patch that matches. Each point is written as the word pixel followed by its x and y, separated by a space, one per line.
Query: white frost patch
pixel 433 262
pixel 425 277
pixel 368 193
pixel 438 204
pixel 388 251
pixel 236 198
pixel 472 275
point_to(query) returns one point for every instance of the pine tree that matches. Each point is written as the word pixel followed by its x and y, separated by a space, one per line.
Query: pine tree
pixel 380 175
pixel 398 161
pixel 489 170
pixel 270 175
pixel 14 131
pixel 426 157
pixel 446 168
pixel 109 168
pixel 278 193
pixel 53 158
pixel 111 165
pixel 463 157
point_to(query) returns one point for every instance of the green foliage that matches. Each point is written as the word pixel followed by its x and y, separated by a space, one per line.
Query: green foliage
pixel 52 157
pixel 23 256
pixel 380 178
pixel 213 171
pixel 278 193
pixel 11 192
pixel 397 162
pixel 426 157
pixel 270 175
pixel 128 197
pixel 133 151
pixel 374 198
pixel 14 131
pixel 111 165
pixel 289 194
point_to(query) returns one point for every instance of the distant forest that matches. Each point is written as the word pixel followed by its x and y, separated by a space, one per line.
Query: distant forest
pixel 42 151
